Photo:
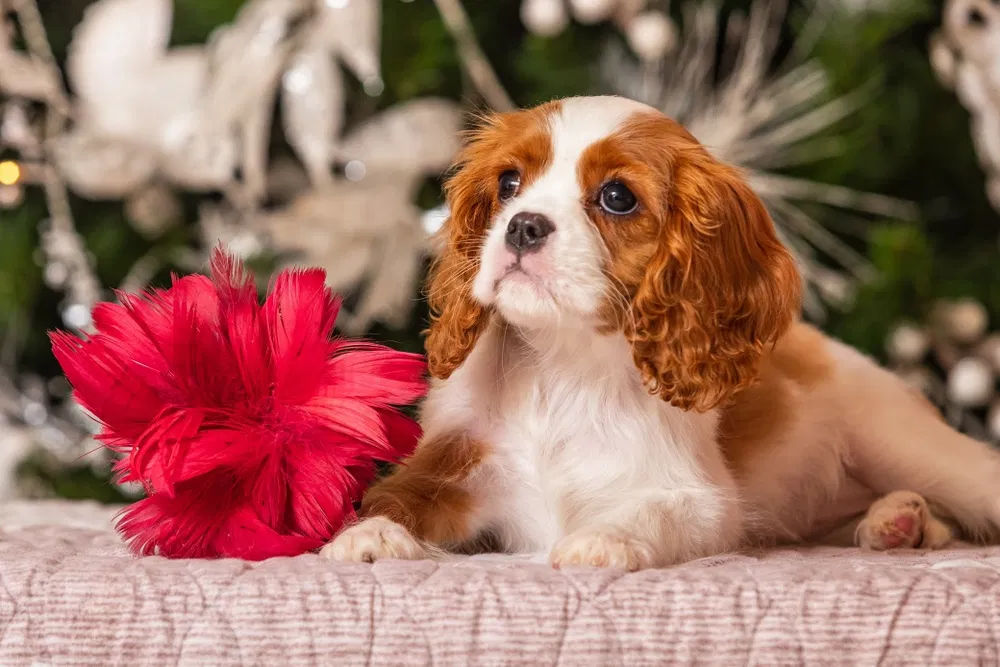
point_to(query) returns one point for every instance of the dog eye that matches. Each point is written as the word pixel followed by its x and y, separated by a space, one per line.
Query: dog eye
pixel 617 199
pixel 510 181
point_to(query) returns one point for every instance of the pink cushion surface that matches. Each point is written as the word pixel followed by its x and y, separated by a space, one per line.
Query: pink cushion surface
pixel 70 594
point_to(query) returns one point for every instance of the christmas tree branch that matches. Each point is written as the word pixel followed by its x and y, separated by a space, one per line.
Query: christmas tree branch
pixel 61 242
pixel 473 58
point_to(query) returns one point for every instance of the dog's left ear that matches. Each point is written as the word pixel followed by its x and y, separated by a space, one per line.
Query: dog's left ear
pixel 720 290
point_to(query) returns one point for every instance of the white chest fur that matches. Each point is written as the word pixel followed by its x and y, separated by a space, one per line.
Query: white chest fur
pixel 572 433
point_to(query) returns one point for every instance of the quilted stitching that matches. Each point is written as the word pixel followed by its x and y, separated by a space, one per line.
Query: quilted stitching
pixel 70 594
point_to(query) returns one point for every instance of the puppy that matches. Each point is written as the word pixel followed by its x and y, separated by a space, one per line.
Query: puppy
pixel 621 378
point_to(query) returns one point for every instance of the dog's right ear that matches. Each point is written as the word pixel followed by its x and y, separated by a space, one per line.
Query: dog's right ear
pixel 499 142
pixel 457 319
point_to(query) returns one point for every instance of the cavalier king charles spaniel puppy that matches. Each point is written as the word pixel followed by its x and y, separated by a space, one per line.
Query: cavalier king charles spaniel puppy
pixel 621 378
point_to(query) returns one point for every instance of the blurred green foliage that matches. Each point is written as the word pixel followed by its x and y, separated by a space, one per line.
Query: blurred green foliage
pixel 911 139
pixel 43 475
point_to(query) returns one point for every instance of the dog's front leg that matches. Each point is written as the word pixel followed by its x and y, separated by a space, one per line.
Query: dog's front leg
pixel 425 502
pixel 654 529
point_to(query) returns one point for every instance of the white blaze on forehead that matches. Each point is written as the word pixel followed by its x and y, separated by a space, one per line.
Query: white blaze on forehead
pixel 579 123
pixel 582 121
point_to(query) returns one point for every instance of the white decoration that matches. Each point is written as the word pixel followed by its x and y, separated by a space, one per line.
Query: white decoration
pixel 416 138
pixel 943 60
pixel 196 115
pixel 11 196
pixel 366 233
pixel 204 159
pixel 963 321
pixel 907 344
pixel 355 170
pixel 971 382
pixel 102 168
pixel 150 90
pixel 152 209
pixel 77 316
pixel 25 77
pixel 145 117
pixel 15 130
pixel 651 35
pixel 352 31
pixel 592 11
pixel 833 286
pixel 221 225
pixel 965 54
pixel 546 18
pixel 433 222
pixel 55 275
pixel 246 58
pixel 363 229
pixel 312 109
pixel 865 6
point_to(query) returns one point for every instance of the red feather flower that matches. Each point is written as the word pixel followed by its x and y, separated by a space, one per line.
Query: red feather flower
pixel 252 429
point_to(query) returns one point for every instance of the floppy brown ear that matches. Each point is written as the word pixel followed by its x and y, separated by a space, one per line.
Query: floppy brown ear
pixel 719 291
pixel 457 319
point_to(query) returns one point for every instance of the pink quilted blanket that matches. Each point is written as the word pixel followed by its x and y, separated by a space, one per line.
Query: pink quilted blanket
pixel 70 594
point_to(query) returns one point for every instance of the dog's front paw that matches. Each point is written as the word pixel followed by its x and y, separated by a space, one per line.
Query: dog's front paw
pixel 602 548
pixel 901 520
pixel 373 539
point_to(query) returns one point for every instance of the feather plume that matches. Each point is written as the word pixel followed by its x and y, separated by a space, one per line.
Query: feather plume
pixel 253 430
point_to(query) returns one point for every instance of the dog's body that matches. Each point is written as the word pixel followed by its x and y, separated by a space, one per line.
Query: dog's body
pixel 630 387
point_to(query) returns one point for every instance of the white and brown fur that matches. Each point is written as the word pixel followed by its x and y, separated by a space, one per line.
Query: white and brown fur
pixel 640 392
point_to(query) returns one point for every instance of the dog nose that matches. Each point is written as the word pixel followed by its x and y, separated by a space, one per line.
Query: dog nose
pixel 526 232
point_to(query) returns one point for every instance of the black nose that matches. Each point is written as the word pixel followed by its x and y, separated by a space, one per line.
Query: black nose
pixel 526 232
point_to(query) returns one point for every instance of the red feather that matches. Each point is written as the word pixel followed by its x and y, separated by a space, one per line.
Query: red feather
pixel 252 429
